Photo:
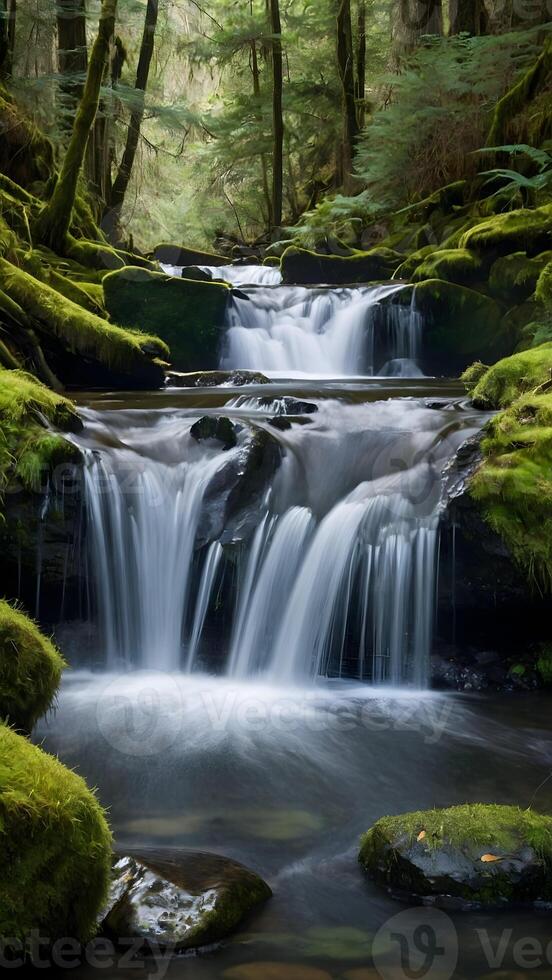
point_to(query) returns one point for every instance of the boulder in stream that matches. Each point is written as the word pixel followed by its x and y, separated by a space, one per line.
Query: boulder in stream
pixel 217 427
pixel 180 899
pixel 215 379
pixel 471 856
pixel 302 267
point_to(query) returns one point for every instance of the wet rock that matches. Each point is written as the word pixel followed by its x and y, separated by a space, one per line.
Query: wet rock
pixel 213 379
pixel 285 422
pixel 289 406
pixel 470 856
pixel 180 899
pixel 215 427
pixel 181 255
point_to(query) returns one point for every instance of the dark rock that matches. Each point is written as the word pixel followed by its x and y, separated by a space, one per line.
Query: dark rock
pixel 212 379
pixel 180 899
pixel 480 855
pixel 180 255
pixel 285 422
pixel 215 427
pixel 289 406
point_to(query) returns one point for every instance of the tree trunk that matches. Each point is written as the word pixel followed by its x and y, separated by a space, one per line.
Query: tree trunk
pixel 413 20
pixel 116 199
pixel 264 164
pixel 468 17
pixel 8 11
pixel 345 61
pixel 277 114
pixel 72 52
pixel 54 221
pixel 360 87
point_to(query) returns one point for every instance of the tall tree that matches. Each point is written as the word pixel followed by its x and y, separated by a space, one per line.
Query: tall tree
pixel 277 114
pixel 54 220
pixel 258 99
pixel 360 84
pixel 120 185
pixel 412 20
pixel 468 17
pixel 345 61
pixel 8 12
pixel 72 53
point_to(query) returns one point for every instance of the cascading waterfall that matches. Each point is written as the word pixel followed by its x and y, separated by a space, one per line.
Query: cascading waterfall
pixel 295 330
pixel 338 577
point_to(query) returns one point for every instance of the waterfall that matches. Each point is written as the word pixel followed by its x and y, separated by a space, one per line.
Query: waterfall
pixel 295 330
pixel 336 575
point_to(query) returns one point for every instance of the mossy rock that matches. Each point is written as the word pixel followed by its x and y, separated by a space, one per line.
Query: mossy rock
pixel 460 325
pixel 272 261
pixel 481 855
pixel 544 666
pixel 513 376
pixel 214 379
pixel 30 669
pixel 180 899
pixel 524 230
pixel 180 255
pixel 453 265
pixel 408 267
pixel 543 291
pixel 302 267
pixel 513 486
pixel 189 315
pixel 513 278
pixel 55 859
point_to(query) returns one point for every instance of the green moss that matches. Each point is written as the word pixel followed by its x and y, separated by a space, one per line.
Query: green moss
pixel 126 351
pixel 30 669
pixel 188 314
pixel 33 263
pixel 520 96
pixel 514 484
pixel 524 230
pixel 272 260
pixel 181 255
pixel 55 854
pixel 302 267
pixel 461 325
pixel 513 278
pixel 543 289
pixel 27 447
pixel 544 666
pixel 453 265
pixel 473 374
pixel 514 376
pixel 489 827
pixel 407 268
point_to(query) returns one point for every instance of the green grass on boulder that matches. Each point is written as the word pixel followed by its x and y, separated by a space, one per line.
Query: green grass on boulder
pixel 456 265
pixel 55 854
pixel 302 267
pixel 513 278
pixel 524 230
pixel 188 314
pixel 513 376
pixel 30 669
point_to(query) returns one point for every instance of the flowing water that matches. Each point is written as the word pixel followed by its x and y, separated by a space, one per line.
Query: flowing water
pixel 256 681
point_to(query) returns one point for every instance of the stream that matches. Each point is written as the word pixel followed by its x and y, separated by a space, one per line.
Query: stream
pixel 252 678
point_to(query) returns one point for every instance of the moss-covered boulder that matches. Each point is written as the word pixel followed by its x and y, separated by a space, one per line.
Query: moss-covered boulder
pixel 302 267
pixel 180 255
pixel 55 859
pixel 525 230
pixel 513 486
pixel 513 278
pixel 180 899
pixel 460 325
pixel 30 669
pixel 543 290
pixel 188 315
pixel 513 376
pixel 214 379
pixel 482 855
pixel 457 265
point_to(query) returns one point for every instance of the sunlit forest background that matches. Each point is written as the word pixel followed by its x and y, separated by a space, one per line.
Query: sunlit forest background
pixel 382 102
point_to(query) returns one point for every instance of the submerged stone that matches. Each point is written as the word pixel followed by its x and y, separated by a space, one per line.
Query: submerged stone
pixel 479 855
pixel 180 899
pixel 214 379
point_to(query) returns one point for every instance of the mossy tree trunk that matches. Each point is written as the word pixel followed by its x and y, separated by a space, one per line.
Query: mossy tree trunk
pixel 520 95
pixel 257 94
pixel 72 53
pixel 54 221
pixel 8 11
pixel 116 199
pixel 277 114
pixel 345 62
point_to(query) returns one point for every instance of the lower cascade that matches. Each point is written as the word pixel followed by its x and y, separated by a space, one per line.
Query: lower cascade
pixel 330 570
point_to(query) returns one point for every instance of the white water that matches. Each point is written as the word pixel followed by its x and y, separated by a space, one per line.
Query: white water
pixel 338 578
pixel 323 331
